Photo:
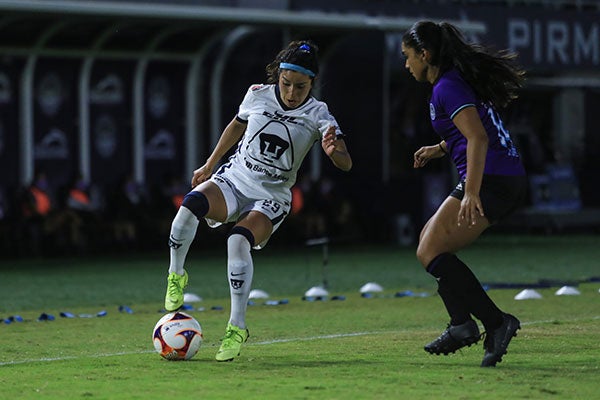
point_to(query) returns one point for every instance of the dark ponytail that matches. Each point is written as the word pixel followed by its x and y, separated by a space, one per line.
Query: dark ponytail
pixel 493 75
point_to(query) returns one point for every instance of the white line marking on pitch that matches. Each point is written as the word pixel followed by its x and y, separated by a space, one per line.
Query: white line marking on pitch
pixel 266 342
pixel 49 359
pixel 306 339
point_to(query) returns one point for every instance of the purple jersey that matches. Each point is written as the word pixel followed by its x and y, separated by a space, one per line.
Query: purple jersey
pixel 451 94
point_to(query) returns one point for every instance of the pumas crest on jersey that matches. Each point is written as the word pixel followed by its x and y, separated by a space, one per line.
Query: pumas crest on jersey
pixel 269 144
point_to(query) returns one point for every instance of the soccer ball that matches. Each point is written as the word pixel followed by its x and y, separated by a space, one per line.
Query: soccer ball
pixel 177 336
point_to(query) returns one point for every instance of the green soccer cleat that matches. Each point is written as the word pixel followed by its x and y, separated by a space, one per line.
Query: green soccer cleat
pixel 231 344
pixel 175 285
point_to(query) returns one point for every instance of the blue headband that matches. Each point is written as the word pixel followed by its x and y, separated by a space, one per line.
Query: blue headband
pixel 297 68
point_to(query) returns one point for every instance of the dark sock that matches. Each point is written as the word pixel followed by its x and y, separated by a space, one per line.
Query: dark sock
pixel 462 283
pixel 458 312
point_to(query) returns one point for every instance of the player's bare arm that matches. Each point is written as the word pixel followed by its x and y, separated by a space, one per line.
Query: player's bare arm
pixel 336 150
pixel 469 124
pixel 230 136
pixel 426 153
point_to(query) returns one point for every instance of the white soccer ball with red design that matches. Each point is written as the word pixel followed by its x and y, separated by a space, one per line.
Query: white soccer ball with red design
pixel 177 336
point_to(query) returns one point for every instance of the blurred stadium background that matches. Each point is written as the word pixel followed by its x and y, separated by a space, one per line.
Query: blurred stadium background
pixel 110 106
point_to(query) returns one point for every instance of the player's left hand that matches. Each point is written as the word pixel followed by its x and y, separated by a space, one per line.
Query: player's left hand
pixel 329 141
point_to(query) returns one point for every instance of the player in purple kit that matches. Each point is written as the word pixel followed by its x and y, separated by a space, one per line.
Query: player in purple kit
pixel 469 83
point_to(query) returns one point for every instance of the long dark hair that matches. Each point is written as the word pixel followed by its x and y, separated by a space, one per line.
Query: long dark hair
pixel 494 75
pixel 304 53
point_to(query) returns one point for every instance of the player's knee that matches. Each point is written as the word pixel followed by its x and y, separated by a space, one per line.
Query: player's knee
pixel 424 255
pixel 240 234
pixel 197 203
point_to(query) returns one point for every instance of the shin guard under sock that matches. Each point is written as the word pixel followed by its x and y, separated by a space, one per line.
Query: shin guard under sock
pixel 461 282
pixel 240 270
pixel 457 310
pixel 183 231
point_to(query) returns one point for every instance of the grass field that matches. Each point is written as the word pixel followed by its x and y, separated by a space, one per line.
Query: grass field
pixel 357 348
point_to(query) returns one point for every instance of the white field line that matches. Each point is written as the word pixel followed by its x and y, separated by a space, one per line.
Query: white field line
pixel 263 343
pixel 306 339
pixel 49 359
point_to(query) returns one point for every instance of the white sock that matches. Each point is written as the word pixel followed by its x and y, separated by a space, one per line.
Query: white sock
pixel 183 231
pixel 240 270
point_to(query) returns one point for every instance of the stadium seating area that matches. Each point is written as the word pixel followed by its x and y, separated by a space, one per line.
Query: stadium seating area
pixel 118 105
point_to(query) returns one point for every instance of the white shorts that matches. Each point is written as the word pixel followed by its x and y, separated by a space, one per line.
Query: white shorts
pixel 239 204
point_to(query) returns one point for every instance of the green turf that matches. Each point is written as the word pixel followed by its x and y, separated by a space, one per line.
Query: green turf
pixel 357 348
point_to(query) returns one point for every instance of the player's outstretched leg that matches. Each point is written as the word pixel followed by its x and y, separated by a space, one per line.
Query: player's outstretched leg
pixel 240 270
pixel 496 342
pixel 183 231
pixel 175 285
pixel 454 337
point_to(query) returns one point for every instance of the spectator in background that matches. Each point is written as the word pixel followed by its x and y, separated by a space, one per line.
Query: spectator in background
pixel 34 206
pixel 6 222
pixel 165 199
pixel 174 191
pixel 307 206
pixel 79 197
pixel 127 211
pixel 36 200
pixel 43 225
pixel 83 200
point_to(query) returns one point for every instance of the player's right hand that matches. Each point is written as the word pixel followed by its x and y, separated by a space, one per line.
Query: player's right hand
pixel 426 153
pixel 201 175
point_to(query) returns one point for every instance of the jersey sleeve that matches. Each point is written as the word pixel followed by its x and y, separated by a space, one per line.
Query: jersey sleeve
pixel 248 102
pixel 325 119
pixel 454 96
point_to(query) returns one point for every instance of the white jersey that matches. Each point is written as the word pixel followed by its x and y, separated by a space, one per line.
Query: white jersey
pixel 275 143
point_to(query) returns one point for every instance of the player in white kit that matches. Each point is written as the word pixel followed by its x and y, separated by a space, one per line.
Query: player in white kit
pixel 276 125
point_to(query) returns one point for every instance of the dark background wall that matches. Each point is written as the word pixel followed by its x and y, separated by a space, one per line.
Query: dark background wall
pixel 144 143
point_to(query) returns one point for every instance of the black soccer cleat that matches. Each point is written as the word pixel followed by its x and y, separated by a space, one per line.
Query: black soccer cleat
pixel 496 342
pixel 454 337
